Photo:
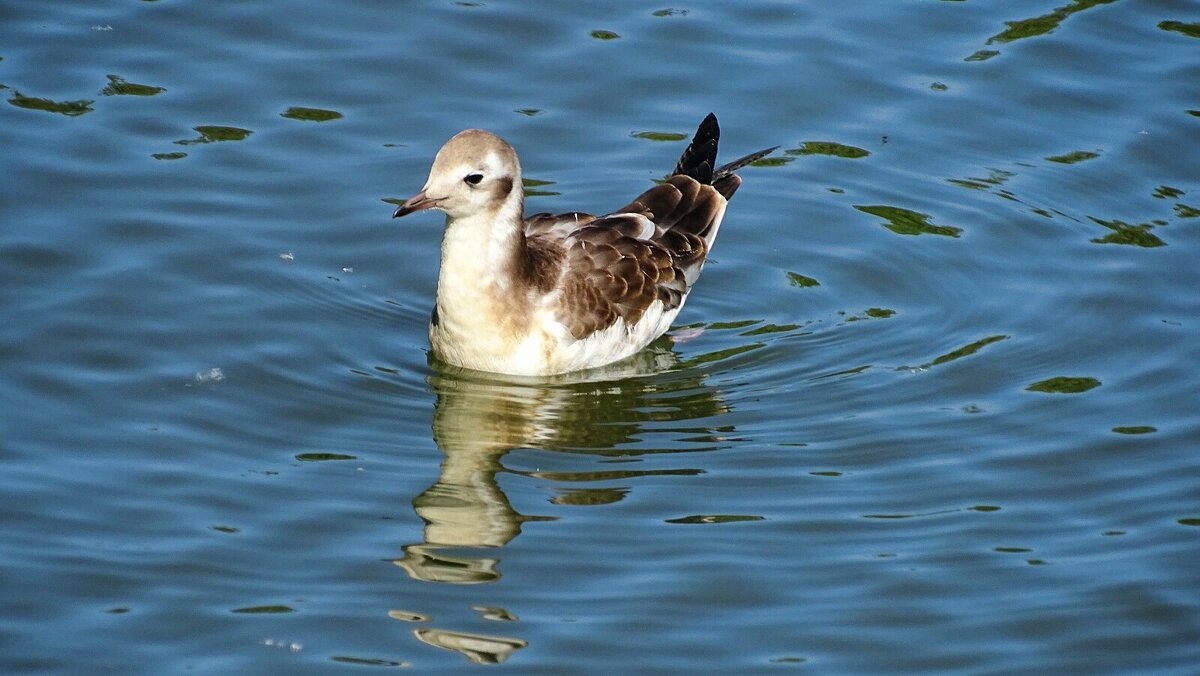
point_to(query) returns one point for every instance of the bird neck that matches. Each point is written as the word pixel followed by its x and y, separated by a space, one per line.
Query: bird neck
pixel 485 244
pixel 480 280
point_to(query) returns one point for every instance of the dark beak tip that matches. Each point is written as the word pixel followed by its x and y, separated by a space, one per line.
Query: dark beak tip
pixel 417 202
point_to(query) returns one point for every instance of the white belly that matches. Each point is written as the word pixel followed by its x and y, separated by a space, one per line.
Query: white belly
pixel 545 348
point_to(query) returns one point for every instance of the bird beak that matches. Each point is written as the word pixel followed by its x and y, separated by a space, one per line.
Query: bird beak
pixel 417 202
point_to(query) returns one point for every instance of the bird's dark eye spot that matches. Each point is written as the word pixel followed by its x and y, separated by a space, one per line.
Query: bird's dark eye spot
pixel 473 179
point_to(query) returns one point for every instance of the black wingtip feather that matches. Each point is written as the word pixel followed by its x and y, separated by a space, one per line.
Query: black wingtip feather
pixel 699 161
pixel 701 154
pixel 728 169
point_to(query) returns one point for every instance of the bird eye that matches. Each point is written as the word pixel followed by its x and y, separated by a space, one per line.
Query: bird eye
pixel 473 179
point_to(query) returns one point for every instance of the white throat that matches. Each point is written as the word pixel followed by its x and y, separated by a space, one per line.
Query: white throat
pixel 479 300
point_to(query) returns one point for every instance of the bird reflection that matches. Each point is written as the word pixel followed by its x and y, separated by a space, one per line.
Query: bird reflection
pixel 478 419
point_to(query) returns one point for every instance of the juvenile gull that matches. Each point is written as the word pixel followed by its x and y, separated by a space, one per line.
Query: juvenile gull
pixel 549 293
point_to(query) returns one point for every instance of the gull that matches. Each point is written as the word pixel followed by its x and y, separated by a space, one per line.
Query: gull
pixel 554 293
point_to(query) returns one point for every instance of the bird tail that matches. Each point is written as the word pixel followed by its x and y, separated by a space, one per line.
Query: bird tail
pixel 701 156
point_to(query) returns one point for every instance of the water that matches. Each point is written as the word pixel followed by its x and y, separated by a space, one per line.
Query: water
pixel 932 408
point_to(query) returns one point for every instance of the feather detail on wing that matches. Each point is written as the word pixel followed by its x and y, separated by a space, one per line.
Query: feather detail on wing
pixel 546 223
pixel 649 251
pixel 617 266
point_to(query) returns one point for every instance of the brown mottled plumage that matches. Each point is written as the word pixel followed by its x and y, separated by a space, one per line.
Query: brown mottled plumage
pixel 554 293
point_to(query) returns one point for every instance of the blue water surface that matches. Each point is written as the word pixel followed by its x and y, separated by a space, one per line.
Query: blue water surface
pixel 931 408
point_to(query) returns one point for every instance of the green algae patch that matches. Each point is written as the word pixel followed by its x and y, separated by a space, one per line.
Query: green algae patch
pixel 68 108
pixel 311 114
pixel 1064 385
pixel 906 222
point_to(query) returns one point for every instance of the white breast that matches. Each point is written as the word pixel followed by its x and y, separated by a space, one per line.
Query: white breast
pixel 548 348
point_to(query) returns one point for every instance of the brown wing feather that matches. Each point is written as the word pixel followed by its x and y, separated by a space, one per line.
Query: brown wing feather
pixel 617 266
pixel 611 272
pixel 680 201
pixel 660 199
pixel 610 275
pixel 545 222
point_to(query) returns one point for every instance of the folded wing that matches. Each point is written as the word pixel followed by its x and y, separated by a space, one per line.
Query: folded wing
pixel 649 251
